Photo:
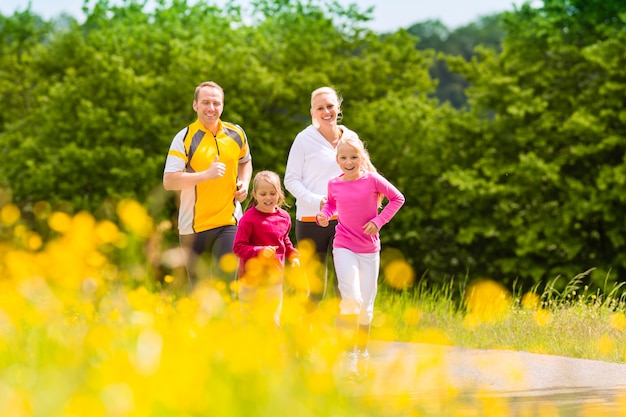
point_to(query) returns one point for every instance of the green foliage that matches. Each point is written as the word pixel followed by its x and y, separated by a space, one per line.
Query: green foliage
pixel 544 190
pixel 112 92
pixel 462 42
pixel 524 184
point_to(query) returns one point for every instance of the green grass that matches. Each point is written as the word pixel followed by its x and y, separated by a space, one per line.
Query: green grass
pixel 570 322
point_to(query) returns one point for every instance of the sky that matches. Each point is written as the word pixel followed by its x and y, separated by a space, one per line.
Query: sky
pixel 389 15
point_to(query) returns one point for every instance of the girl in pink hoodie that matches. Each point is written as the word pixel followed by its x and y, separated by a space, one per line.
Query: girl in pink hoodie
pixel 356 197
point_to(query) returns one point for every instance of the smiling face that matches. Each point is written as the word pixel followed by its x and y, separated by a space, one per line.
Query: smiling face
pixel 324 109
pixel 209 106
pixel 266 195
pixel 350 161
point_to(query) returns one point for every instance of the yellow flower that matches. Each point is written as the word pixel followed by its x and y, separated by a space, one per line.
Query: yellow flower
pixel 60 222
pixel 487 301
pixel 412 316
pixel 618 321
pixel 135 218
pixel 229 262
pixel 32 241
pixel 530 300
pixel 9 214
pixel 605 345
pixel 399 274
pixel 107 232
pixel 432 336
pixel 83 405
pixel 542 317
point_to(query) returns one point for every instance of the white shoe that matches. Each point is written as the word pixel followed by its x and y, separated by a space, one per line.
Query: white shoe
pixel 363 362
pixel 351 365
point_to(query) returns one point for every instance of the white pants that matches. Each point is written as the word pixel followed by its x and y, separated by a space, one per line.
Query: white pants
pixel 357 274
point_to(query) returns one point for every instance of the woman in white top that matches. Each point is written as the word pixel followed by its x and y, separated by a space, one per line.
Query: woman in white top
pixel 310 165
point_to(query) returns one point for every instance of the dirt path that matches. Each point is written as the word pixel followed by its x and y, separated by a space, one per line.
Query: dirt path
pixel 425 376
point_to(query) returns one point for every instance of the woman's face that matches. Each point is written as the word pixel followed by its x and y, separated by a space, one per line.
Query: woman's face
pixel 324 109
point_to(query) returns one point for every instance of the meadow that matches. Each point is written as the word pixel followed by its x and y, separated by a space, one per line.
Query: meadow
pixel 86 329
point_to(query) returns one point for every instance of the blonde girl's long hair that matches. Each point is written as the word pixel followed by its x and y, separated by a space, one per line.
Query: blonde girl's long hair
pixel 357 144
pixel 326 90
pixel 272 178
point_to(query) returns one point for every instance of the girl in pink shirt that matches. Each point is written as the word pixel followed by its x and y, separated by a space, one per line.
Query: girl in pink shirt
pixel 356 197
pixel 262 244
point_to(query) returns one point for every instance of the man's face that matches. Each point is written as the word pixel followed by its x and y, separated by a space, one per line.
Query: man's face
pixel 209 105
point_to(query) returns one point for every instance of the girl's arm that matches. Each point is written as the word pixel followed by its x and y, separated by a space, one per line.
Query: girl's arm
pixel 395 197
pixel 242 247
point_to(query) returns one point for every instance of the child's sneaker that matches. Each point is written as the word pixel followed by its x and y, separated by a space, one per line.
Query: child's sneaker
pixel 351 365
pixel 362 362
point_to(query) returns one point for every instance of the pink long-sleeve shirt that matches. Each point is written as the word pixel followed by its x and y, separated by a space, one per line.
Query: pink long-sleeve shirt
pixel 356 203
pixel 257 230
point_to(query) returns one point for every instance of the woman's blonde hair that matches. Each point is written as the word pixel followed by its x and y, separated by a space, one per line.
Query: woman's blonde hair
pixel 269 177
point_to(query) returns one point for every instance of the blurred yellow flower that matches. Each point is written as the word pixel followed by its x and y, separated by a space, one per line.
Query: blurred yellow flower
pixel 412 316
pixel 80 405
pixel 530 300
pixel 605 345
pixel 107 232
pixel 135 218
pixel 399 274
pixel 487 301
pixel 33 241
pixel 542 317
pixel 229 262
pixel 20 265
pixel 618 321
pixel 432 336
pixel 60 222
pixel 95 259
pixel 306 248
pixel 9 214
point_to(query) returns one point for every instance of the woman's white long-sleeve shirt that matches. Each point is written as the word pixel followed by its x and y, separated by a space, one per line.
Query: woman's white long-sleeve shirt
pixel 311 164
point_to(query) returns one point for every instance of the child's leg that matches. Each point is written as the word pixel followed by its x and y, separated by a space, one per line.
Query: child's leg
pixel 261 304
pixel 275 300
pixel 369 265
pixel 347 267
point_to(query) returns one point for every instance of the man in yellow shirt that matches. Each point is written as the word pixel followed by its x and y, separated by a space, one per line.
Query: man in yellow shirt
pixel 209 162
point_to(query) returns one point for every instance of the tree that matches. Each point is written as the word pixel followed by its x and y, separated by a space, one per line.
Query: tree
pixel 115 89
pixel 434 35
pixel 544 182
